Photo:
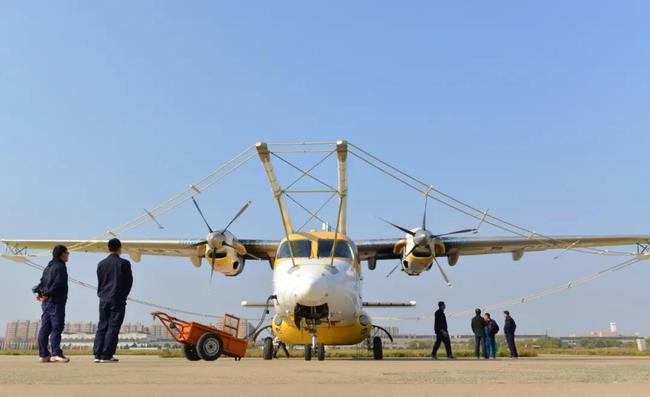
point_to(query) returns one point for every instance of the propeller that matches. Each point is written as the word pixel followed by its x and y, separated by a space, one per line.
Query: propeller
pixel 216 239
pixel 422 237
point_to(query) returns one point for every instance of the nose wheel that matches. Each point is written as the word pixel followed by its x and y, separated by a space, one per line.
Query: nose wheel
pixel 319 349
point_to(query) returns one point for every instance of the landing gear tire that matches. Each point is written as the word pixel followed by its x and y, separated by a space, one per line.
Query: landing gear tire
pixel 190 353
pixel 321 352
pixel 209 347
pixel 377 348
pixel 307 352
pixel 267 352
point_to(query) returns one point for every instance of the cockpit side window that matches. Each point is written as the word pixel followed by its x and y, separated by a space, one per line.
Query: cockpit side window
pixel 343 249
pixel 301 249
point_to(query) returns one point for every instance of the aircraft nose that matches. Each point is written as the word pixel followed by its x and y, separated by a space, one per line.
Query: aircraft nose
pixel 311 289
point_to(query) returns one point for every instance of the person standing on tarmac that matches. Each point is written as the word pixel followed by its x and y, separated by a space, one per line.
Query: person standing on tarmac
pixel 114 282
pixel 478 327
pixel 52 292
pixel 491 330
pixel 442 334
pixel 509 328
pixel 278 344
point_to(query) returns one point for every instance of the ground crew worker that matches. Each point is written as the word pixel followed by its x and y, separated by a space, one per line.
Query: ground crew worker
pixel 509 328
pixel 478 327
pixel 442 334
pixel 114 282
pixel 52 292
pixel 491 330
pixel 279 345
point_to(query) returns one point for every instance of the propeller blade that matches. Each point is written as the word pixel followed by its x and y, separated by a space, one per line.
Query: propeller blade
pixel 391 272
pixel 442 272
pixel 212 267
pixel 201 213
pixel 424 217
pixel 241 211
pixel 405 230
pixel 246 253
pixel 204 242
pixel 456 232
pixel 411 251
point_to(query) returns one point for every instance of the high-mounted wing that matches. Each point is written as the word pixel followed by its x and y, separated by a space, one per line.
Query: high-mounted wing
pixel 517 246
pixel 192 248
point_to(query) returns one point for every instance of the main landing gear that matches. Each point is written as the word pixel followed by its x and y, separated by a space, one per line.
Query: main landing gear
pixel 375 343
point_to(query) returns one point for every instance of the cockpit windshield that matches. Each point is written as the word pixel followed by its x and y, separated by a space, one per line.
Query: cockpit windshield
pixel 342 250
pixel 301 249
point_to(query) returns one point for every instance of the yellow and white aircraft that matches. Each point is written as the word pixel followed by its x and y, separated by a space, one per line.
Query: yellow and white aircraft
pixel 317 274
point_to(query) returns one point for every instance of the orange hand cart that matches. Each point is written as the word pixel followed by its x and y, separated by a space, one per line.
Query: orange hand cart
pixel 204 342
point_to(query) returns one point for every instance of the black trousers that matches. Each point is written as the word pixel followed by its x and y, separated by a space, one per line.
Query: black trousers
pixel 282 346
pixel 442 337
pixel 111 317
pixel 479 344
pixel 510 338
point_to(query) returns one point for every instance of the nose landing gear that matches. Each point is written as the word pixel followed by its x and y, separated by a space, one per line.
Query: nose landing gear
pixel 314 346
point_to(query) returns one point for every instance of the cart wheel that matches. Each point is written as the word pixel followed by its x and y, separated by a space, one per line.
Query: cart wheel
pixel 190 353
pixel 377 348
pixel 210 346
pixel 321 352
pixel 307 352
pixel 268 349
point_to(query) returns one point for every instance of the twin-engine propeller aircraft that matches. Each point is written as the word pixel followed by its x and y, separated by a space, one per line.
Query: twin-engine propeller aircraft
pixel 317 274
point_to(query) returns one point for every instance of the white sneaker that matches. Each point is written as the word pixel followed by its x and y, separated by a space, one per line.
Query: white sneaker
pixel 59 359
pixel 44 359
pixel 110 360
pixel 97 360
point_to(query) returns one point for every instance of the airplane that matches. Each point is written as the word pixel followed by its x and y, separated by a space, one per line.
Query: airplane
pixel 317 275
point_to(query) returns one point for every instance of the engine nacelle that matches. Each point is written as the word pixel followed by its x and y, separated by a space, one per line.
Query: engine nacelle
pixel 225 261
pixel 418 260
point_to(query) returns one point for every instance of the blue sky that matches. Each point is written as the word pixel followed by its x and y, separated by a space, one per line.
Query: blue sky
pixel 537 111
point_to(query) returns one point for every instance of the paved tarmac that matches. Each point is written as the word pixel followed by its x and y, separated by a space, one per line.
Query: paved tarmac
pixel 153 376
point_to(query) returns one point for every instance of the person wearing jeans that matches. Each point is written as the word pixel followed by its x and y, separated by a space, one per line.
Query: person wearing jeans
pixel 52 292
pixel 491 330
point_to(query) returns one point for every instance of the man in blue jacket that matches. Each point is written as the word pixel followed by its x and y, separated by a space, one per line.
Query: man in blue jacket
pixel 491 330
pixel 52 292
pixel 114 282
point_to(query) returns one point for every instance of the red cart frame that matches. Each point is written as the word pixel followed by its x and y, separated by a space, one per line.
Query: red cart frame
pixel 189 333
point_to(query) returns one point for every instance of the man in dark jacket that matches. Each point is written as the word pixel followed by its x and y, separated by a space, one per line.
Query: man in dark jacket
pixel 509 328
pixel 52 292
pixel 442 334
pixel 114 281
pixel 478 327
pixel 491 331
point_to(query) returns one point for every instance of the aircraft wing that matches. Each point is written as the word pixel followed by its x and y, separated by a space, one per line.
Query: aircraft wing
pixel 262 249
pixel 384 248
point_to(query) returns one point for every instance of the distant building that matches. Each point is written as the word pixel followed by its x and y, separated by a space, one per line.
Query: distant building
pixel 22 330
pixel 80 328
pixel 134 328
pixel 245 328
pixel 159 332
pixel 393 331
pixel 612 328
